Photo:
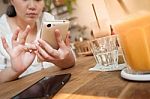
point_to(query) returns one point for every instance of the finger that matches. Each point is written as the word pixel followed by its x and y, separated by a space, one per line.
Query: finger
pixel 51 53
pixel 67 40
pixel 15 34
pixel 5 45
pixel 23 35
pixel 40 58
pixel 59 39
pixel 30 47
pixel 44 44
pixel 48 48
pixel 42 52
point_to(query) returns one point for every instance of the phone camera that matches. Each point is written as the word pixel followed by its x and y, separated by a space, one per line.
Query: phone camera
pixel 48 25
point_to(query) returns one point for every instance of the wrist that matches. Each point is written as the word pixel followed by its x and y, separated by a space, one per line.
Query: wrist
pixel 16 67
pixel 67 62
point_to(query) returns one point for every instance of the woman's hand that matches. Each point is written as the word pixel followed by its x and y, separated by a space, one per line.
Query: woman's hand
pixel 21 58
pixel 63 57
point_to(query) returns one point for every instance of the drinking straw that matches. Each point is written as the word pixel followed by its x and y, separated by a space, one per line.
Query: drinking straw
pixel 123 6
pixel 96 16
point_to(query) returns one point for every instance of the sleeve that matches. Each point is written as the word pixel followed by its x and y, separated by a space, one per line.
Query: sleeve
pixel 2 50
pixel 4 31
pixel 4 57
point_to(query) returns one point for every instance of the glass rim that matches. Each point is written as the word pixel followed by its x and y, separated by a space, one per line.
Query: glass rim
pixel 109 36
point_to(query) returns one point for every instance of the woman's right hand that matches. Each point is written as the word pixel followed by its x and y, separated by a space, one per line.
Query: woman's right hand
pixel 21 58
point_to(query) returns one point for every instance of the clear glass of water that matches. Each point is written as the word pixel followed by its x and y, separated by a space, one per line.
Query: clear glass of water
pixel 105 51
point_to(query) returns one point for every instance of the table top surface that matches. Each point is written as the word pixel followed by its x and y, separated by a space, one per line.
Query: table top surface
pixel 83 84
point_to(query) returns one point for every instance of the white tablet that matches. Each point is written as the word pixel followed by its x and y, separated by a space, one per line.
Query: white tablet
pixel 48 28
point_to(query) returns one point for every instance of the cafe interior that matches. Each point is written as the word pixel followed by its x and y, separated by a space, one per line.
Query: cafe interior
pixel 112 62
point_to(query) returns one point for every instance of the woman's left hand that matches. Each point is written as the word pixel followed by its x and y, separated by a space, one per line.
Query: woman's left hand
pixel 63 57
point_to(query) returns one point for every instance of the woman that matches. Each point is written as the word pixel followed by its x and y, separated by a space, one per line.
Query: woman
pixel 19 28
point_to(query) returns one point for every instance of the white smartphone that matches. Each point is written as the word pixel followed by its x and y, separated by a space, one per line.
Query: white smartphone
pixel 48 28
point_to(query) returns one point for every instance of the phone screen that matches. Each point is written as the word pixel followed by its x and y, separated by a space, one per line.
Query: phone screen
pixel 46 87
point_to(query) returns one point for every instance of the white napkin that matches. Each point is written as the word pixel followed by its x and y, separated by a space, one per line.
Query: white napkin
pixel 97 67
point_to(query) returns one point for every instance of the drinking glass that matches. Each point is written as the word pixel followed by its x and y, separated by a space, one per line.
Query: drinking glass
pixel 105 51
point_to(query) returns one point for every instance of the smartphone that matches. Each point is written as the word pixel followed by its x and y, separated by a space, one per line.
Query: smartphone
pixel 46 87
pixel 48 28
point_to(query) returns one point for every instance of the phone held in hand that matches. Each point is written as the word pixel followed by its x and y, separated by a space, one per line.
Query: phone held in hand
pixel 48 28
pixel 45 88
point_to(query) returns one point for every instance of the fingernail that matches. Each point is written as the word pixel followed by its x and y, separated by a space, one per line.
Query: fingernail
pixel 36 45
pixel 40 40
pixel 18 27
pixel 28 26
pixel 57 30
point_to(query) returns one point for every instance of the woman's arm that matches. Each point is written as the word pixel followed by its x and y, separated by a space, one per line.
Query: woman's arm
pixel 20 57
pixel 8 74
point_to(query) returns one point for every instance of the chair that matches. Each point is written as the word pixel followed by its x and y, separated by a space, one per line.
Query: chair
pixel 83 48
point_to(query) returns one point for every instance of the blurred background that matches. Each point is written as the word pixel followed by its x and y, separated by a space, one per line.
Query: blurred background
pixel 82 16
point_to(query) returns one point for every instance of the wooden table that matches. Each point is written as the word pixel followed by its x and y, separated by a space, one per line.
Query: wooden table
pixel 83 84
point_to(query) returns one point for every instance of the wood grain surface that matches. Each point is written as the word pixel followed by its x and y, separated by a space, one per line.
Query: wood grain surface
pixel 84 84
